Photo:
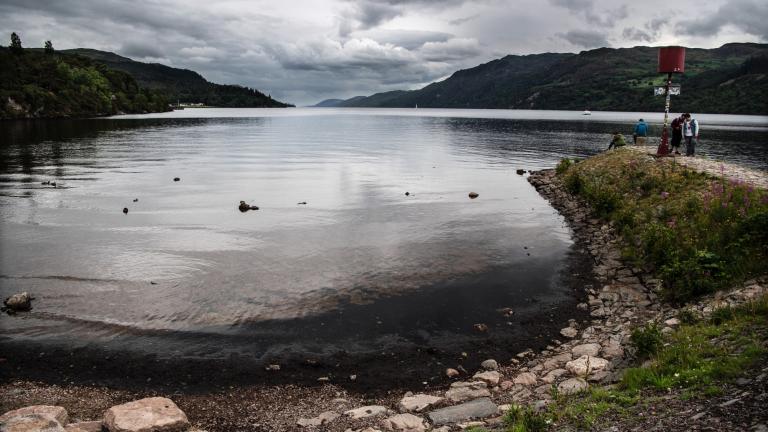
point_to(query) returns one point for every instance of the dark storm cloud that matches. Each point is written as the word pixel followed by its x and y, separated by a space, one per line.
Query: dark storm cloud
pixel 585 38
pixel 749 16
pixel 367 14
pixel 141 50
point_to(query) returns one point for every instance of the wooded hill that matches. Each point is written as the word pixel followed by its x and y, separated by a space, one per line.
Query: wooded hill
pixel 36 83
pixel 182 85
pixel 729 79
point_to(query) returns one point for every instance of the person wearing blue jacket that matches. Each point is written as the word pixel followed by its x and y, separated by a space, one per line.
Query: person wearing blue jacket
pixel 640 133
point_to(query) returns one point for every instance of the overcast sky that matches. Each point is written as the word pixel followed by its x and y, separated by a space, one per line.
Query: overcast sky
pixel 303 51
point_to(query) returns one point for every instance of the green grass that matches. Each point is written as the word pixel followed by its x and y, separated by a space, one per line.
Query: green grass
pixel 695 232
pixel 694 360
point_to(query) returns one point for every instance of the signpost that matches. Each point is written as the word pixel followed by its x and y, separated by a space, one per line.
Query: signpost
pixel 671 60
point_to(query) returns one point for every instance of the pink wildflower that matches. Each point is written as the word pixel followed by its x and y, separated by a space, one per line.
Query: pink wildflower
pixel 665 195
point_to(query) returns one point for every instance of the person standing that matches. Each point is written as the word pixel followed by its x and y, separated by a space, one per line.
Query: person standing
pixel 640 133
pixel 677 133
pixel 690 134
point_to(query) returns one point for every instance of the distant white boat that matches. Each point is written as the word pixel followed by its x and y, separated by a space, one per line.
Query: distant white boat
pixel 587 112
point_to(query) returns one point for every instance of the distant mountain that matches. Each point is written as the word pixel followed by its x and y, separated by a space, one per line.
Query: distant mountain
pixel 39 84
pixel 729 79
pixel 328 103
pixel 181 85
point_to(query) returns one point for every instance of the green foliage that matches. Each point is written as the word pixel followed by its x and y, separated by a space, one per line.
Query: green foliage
pixel 563 166
pixel 16 44
pixel 647 340
pixel 696 233
pixel 43 84
pixel 700 355
pixel 519 419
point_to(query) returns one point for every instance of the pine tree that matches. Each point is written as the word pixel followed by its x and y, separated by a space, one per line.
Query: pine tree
pixel 16 44
pixel 48 47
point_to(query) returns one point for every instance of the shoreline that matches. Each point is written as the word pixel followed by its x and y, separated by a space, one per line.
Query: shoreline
pixel 623 299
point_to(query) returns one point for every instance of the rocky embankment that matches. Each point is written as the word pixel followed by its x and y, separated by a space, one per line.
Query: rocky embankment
pixel 587 354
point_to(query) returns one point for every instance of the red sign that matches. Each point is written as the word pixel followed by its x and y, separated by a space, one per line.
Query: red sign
pixel 672 59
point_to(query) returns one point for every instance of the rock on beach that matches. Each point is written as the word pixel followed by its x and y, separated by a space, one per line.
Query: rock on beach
pixel 19 302
pixel 155 414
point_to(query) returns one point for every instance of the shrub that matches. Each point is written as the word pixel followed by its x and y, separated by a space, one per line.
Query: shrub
pixel 519 419
pixel 563 166
pixel 647 340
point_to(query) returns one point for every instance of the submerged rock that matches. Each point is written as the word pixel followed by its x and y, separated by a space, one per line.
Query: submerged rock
pixel 520 171
pixel 244 207
pixel 473 195
pixel 176 179
pixel 19 302
pixel 125 210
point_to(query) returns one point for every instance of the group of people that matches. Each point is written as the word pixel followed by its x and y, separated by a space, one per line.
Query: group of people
pixel 684 128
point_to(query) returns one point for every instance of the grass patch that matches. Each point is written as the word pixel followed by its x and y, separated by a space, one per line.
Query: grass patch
pixel 696 359
pixel 697 233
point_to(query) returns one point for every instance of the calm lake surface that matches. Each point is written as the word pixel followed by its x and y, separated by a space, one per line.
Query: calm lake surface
pixel 358 267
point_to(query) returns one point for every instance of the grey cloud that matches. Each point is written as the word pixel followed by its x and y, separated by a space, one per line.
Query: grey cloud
pixel 637 35
pixel 460 21
pixel 408 39
pixel 749 16
pixel 585 38
pixel 602 18
pixel 368 14
pixel 656 24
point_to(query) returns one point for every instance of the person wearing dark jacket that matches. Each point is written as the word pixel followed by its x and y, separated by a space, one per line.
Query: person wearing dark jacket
pixel 690 130
pixel 677 133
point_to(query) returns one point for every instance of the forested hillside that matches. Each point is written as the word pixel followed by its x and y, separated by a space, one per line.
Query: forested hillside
pixel 41 83
pixel 182 85
pixel 729 79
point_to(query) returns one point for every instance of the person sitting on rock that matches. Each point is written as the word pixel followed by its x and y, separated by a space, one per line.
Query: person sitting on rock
pixel 617 141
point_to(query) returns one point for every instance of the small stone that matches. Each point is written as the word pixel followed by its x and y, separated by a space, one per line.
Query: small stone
pixel 31 423
pixel 473 195
pixel 569 332
pixel 321 419
pixel 591 349
pixel 481 327
pixel 525 378
pixel 506 385
pixel 146 415
pixel 541 405
pixel 176 179
pixel 476 409
pixel 323 379
pixel 572 385
pixel 489 364
pixel 554 374
pixel 273 367
pixel 451 373
pixel 698 416
pixel 491 377
pixel 404 423
pixel 461 391
pixel 520 171
pixel 56 413
pixel 367 411
pixel 125 210
pixel 89 426
pixel 672 322
pixel 586 365
pixel 729 403
pixel 419 402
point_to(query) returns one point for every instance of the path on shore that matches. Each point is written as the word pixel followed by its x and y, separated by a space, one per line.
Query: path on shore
pixel 716 168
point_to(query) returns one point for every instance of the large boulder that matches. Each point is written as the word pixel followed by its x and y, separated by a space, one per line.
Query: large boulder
pixel 156 414
pixel 590 349
pixel 56 413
